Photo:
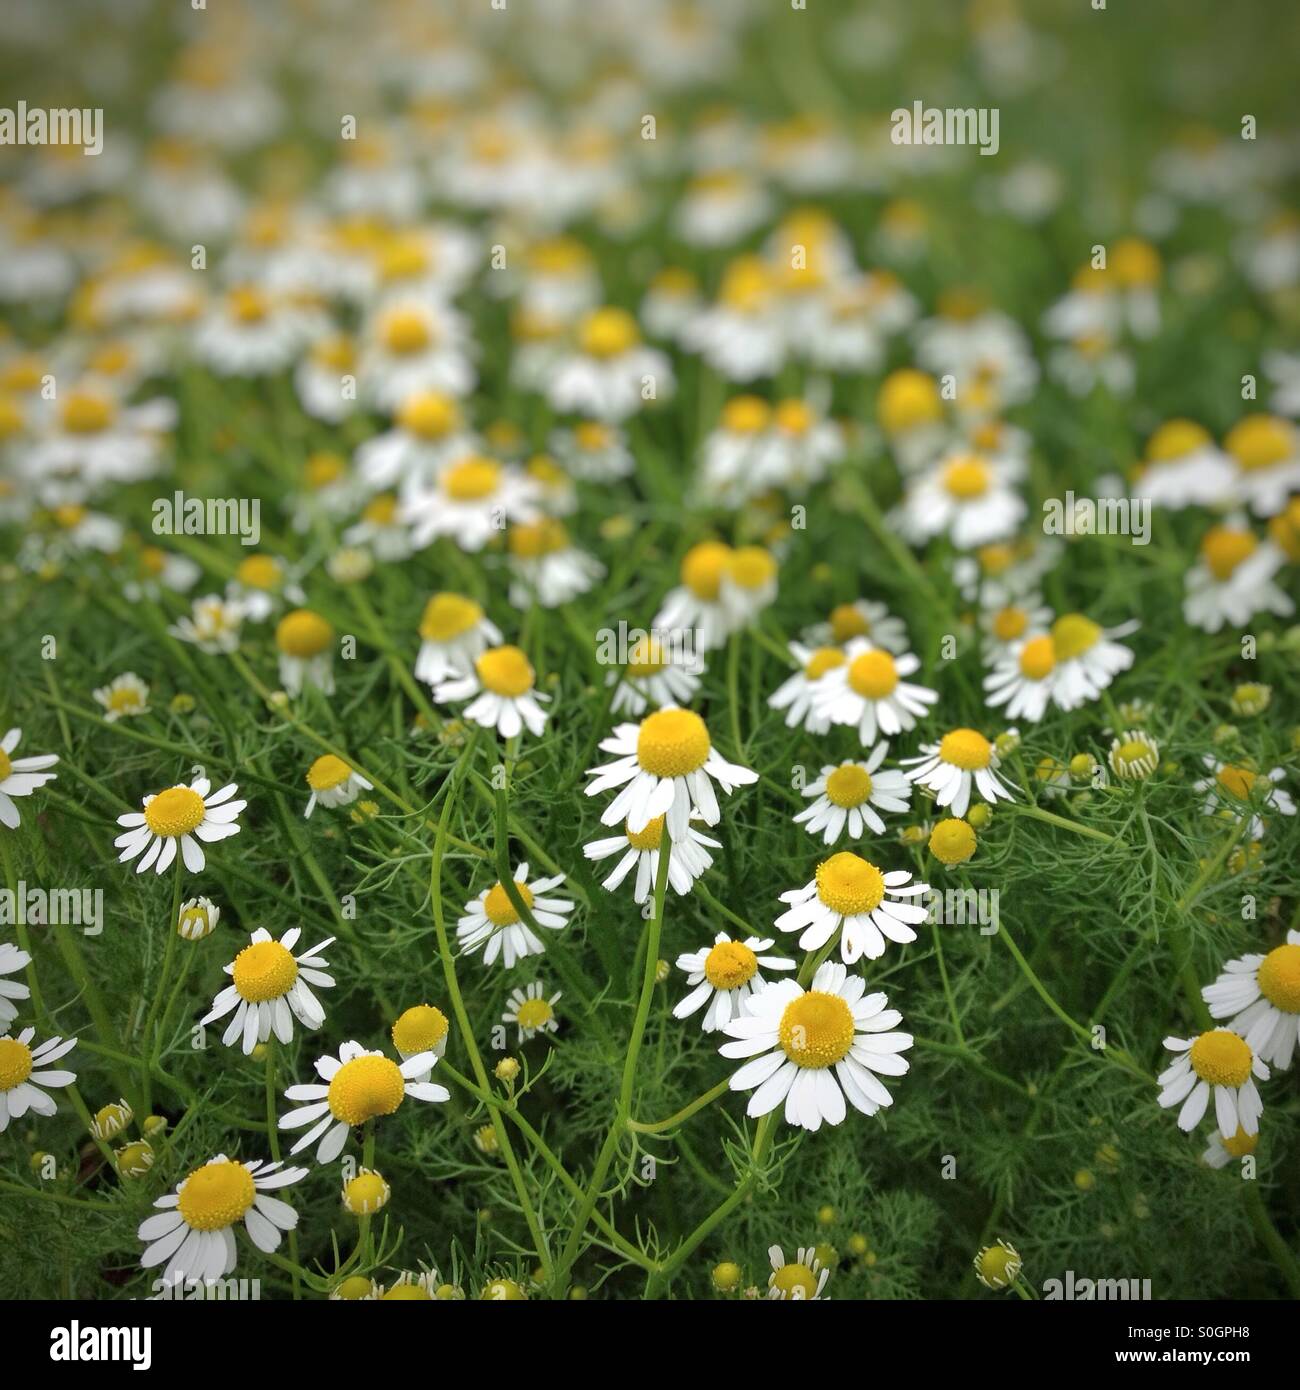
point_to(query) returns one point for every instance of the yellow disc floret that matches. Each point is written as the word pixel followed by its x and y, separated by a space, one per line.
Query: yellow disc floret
pixel 647 839
pixel 471 480
pixel 428 415
pixel 447 616
pixel 1261 441
pixel 1037 658
pixel 1073 634
pixel 366 1193
pixel 216 1195
pixel 505 671
pixel 404 332
pixel 822 660
pixel 1224 548
pixel 175 812
pixel 327 772
pixel 534 1013
pixel 849 785
pixel 364 1088
pixel 816 1029
pixel 420 1029
pixel 952 841
pixel 795 1282
pixel 873 675
pixel 87 412
pixel 1237 781
pixel 259 572
pixel 703 566
pixel 967 749
pixel 849 885
pixel 608 332
pixel 1279 978
pixel 303 634
pixel 967 478
pixel 1221 1058
pixel 265 970
pixel 501 912
pixel 847 621
pixel 746 415
pixel 672 742
pixel 1175 439
pixel 15 1063
pixel 908 397
pixel 751 567
pixel 729 965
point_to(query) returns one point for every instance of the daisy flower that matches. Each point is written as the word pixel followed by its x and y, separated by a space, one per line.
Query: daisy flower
pixel 998 1266
pixel 493 922
pixel 666 766
pixel 12 960
pixel 1134 755
pixel 1217 1062
pixel 910 411
pixel 380 529
pixel 851 794
pixel 968 497
pixel 333 783
pixel 696 604
pixel 796 694
pixel 269 988
pixel 949 767
pixel 594 451
pixel 1183 467
pixel 1259 995
pixel 251 332
pixel 657 673
pixel 733 453
pixel 795 1037
pixel 852 894
pixel 453 633
pixel 305 642
pixel 725 975
pixel 20 776
pixel 185 814
pixel 194 1230
pixel 1232 580
pixel 531 1011
pixel 470 501
pixel 260 586
pixel 1087 658
pixel 1012 623
pixel 1230 785
pixel 1022 679
pixel 428 434
pixel 421 1028
pixel 24 1069
pixel 689 859
pixel 110 1120
pixel 607 374
pixel 358 1086
pixel 742 335
pixel 800 1279
pixel 124 697
pixel 413 345
pixel 1265 450
pixel 365 1193
pixel 1219 1152
pixel 748 584
pixel 861 618
pixel 503 686
pixel 869 691
pixel 546 565
pixel 198 917
pixel 212 625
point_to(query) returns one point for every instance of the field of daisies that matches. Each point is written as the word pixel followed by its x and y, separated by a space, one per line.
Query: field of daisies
pixel 638 664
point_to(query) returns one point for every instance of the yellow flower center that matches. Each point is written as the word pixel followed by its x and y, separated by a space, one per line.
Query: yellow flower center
pixel 1236 781
pixel 816 1030
pixel 1133 752
pixel 849 785
pixel 216 1195
pixel 364 1088
pixel 405 332
pixel 1037 658
pixel 403 258
pixel 729 965
pixel 1010 623
pixel 794 416
pixel 873 675
pixel 503 1291
pixel 608 333
pixel 322 469
pixel 1260 441
pixel 647 657
pixel 999 1265
pixel 87 413
pixel 124 699
pixel 1279 978
pixel 908 398
pixel 1073 635
pixel 751 567
pixel 500 910
pixel 647 839
pixel 247 305
pixel 795 1281
pixel 995 559
pixel 505 671
pixel 1135 263
pixel 703 566
pixel 1221 1058
pixel 429 415
pixel 15 1063
pixel 175 812
pixel 952 841
pixel 1224 548
pixel 354 1287
pixel 327 772
pixel 471 480
pixel 965 748
pixel 966 478
pixel 265 970
pixel 335 352
pixel 672 742
pixel 381 510
pixel 849 885
pixel 848 621
pixel 535 1013
pixel 1241 1143
pixel 746 415
pixel 447 616
pixel 822 660
pixel 747 285
pixel 366 1192
pixel 1175 439
pixel 303 634
pixel 591 436
pixel 420 1029
pixel 259 572
pixel 12 418
pixel 533 539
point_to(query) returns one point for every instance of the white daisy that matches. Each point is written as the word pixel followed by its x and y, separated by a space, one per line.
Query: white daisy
pixel 212 625
pixel 741 335
pixel 1087 658
pixel 798 1280
pixel 1232 580
pixel 968 497
pixel 546 566
pixel 594 451
pixel 725 975
pixel 428 434
pixel 689 859
pixel 748 584
pixel 269 988
pixel 666 766
pixel 20 776
pixel 261 585
pixel 795 1037
pixel 949 767
pixel 851 893
pixel 861 618
pixel 658 672
pixel 1219 1152
pixel 185 814
pixel 796 693
pixel 24 1069
pixel 412 345
pixel 124 697
pixel 12 960
pixel 358 1086
pixel 194 1232
pixel 198 917
pixel 610 374
pixel 380 529
pixel 531 1011
pixel 869 691
pixel 1005 627
pixel 305 642
pixel 95 437
pixel 1265 450
pixel 252 332
pixel 454 633
pixel 333 783
pixel 492 921
pixel 1022 679
pixel 1183 467
pixel 696 604
pixel 1259 995
pixel 851 795
pixel 1217 1062
pixel 1230 786
pixel 501 690
pixel 470 501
